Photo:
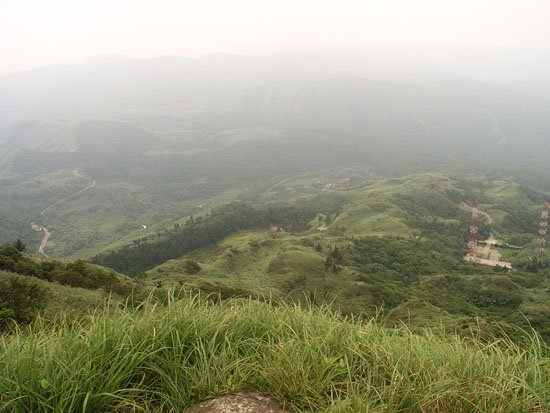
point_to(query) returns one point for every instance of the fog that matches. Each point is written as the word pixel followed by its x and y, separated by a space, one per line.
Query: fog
pixel 439 76
pixel 504 40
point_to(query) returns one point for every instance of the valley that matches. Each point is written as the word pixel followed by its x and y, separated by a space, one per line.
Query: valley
pixel 387 247
pixel 186 221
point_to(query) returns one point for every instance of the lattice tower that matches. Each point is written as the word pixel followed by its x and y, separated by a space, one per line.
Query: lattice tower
pixel 472 238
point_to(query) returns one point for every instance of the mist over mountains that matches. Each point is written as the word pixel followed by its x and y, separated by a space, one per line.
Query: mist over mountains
pixel 286 206
pixel 387 105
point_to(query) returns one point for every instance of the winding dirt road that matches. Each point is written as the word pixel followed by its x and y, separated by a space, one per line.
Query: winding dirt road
pixel 45 239
pixel 77 174
pixel 467 207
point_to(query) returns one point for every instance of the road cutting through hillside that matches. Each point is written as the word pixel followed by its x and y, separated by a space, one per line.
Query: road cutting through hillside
pixel 45 239
pixel 467 207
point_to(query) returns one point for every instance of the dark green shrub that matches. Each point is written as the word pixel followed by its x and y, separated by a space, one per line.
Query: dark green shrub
pixel 22 298
pixel 192 267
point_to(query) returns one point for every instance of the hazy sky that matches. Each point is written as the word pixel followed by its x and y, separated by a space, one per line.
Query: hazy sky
pixel 40 32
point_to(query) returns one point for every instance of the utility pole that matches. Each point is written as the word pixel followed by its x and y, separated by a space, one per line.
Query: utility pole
pixel 543 226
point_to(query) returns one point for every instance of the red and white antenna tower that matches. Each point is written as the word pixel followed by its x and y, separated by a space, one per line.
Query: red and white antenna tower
pixel 472 239
pixel 543 226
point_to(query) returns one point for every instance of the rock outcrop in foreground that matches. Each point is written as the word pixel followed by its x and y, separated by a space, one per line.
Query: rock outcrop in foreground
pixel 238 403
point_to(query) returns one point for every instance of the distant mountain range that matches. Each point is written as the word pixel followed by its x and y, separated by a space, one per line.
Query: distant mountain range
pixel 387 105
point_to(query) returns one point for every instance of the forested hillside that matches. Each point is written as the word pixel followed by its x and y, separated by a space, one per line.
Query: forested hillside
pixel 144 254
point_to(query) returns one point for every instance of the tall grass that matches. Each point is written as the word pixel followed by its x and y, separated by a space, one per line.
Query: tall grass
pixel 164 358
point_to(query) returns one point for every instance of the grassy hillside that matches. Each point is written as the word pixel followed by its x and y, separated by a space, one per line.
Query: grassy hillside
pixel 166 358
pixel 392 317
pixel 393 247
pixel 32 287
pixel 27 297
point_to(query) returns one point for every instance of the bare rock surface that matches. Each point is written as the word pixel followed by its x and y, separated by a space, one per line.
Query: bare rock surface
pixel 238 403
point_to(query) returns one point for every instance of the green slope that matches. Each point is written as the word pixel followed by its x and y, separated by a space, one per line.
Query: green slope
pixel 165 358
pixel 400 245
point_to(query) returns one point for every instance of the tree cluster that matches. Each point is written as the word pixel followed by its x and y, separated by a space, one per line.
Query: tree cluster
pixel 334 260
pixel 75 274
pixel 20 301
pixel 201 231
